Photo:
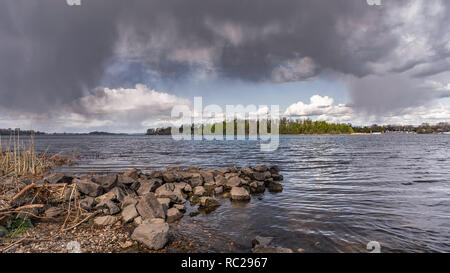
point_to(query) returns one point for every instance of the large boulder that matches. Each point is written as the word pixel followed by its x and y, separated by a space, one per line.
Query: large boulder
pixel 107 182
pixel 88 187
pixel 125 181
pixel 116 195
pixel 129 213
pixel 173 214
pixel 147 186
pixel 234 181
pixel 154 235
pixel 149 207
pixel 171 177
pixel 208 176
pixel 196 180
pixel 169 190
pixel 220 180
pixel 239 194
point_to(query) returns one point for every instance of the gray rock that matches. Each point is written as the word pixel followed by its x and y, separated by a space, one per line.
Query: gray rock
pixel 53 212
pixel 123 180
pixel 173 214
pixel 247 172
pixel 260 176
pixel 105 220
pixel 199 191
pixel 115 194
pixel 169 190
pixel 239 194
pixel 129 213
pixel 220 180
pixel 230 175
pixel 171 177
pixel 149 207
pixel 133 173
pixel 108 207
pixel 275 187
pixel 257 187
pixel 87 203
pixel 260 240
pixel 165 202
pixel 107 182
pixel 129 200
pixel 154 236
pixel 208 202
pixel 208 176
pixel 234 181
pixel 147 186
pixel 196 180
pixel 88 187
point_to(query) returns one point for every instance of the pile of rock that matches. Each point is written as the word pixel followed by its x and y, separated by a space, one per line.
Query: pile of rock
pixel 152 200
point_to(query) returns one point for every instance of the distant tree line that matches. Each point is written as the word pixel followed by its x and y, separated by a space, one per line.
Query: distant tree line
pixel 287 126
pixel 424 128
pixel 307 126
pixel 16 131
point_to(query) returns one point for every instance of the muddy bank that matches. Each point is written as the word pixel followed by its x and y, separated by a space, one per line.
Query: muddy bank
pixel 124 212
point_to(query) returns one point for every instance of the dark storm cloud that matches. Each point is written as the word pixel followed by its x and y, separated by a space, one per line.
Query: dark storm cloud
pixel 52 53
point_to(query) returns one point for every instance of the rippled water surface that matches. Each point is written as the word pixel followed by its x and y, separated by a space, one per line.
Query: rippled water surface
pixel 340 192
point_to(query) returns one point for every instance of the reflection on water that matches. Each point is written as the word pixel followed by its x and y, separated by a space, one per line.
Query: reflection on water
pixel 340 192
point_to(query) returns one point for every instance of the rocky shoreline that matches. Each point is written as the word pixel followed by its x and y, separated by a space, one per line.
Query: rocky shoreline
pixel 122 212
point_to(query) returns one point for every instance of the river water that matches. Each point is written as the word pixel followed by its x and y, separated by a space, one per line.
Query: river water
pixel 340 192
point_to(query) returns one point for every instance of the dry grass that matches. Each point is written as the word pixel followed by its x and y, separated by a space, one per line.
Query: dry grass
pixel 19 160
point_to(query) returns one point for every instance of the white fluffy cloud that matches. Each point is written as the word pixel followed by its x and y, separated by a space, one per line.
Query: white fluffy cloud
pixel 105 109
pixel 323 108
pixel 318 105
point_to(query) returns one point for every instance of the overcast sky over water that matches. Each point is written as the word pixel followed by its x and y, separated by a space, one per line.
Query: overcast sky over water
pixel 121 66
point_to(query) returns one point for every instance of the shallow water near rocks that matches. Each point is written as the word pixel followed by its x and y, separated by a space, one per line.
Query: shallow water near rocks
pixel 340 192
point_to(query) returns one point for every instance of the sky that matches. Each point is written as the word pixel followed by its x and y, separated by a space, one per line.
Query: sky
pixel 121 66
